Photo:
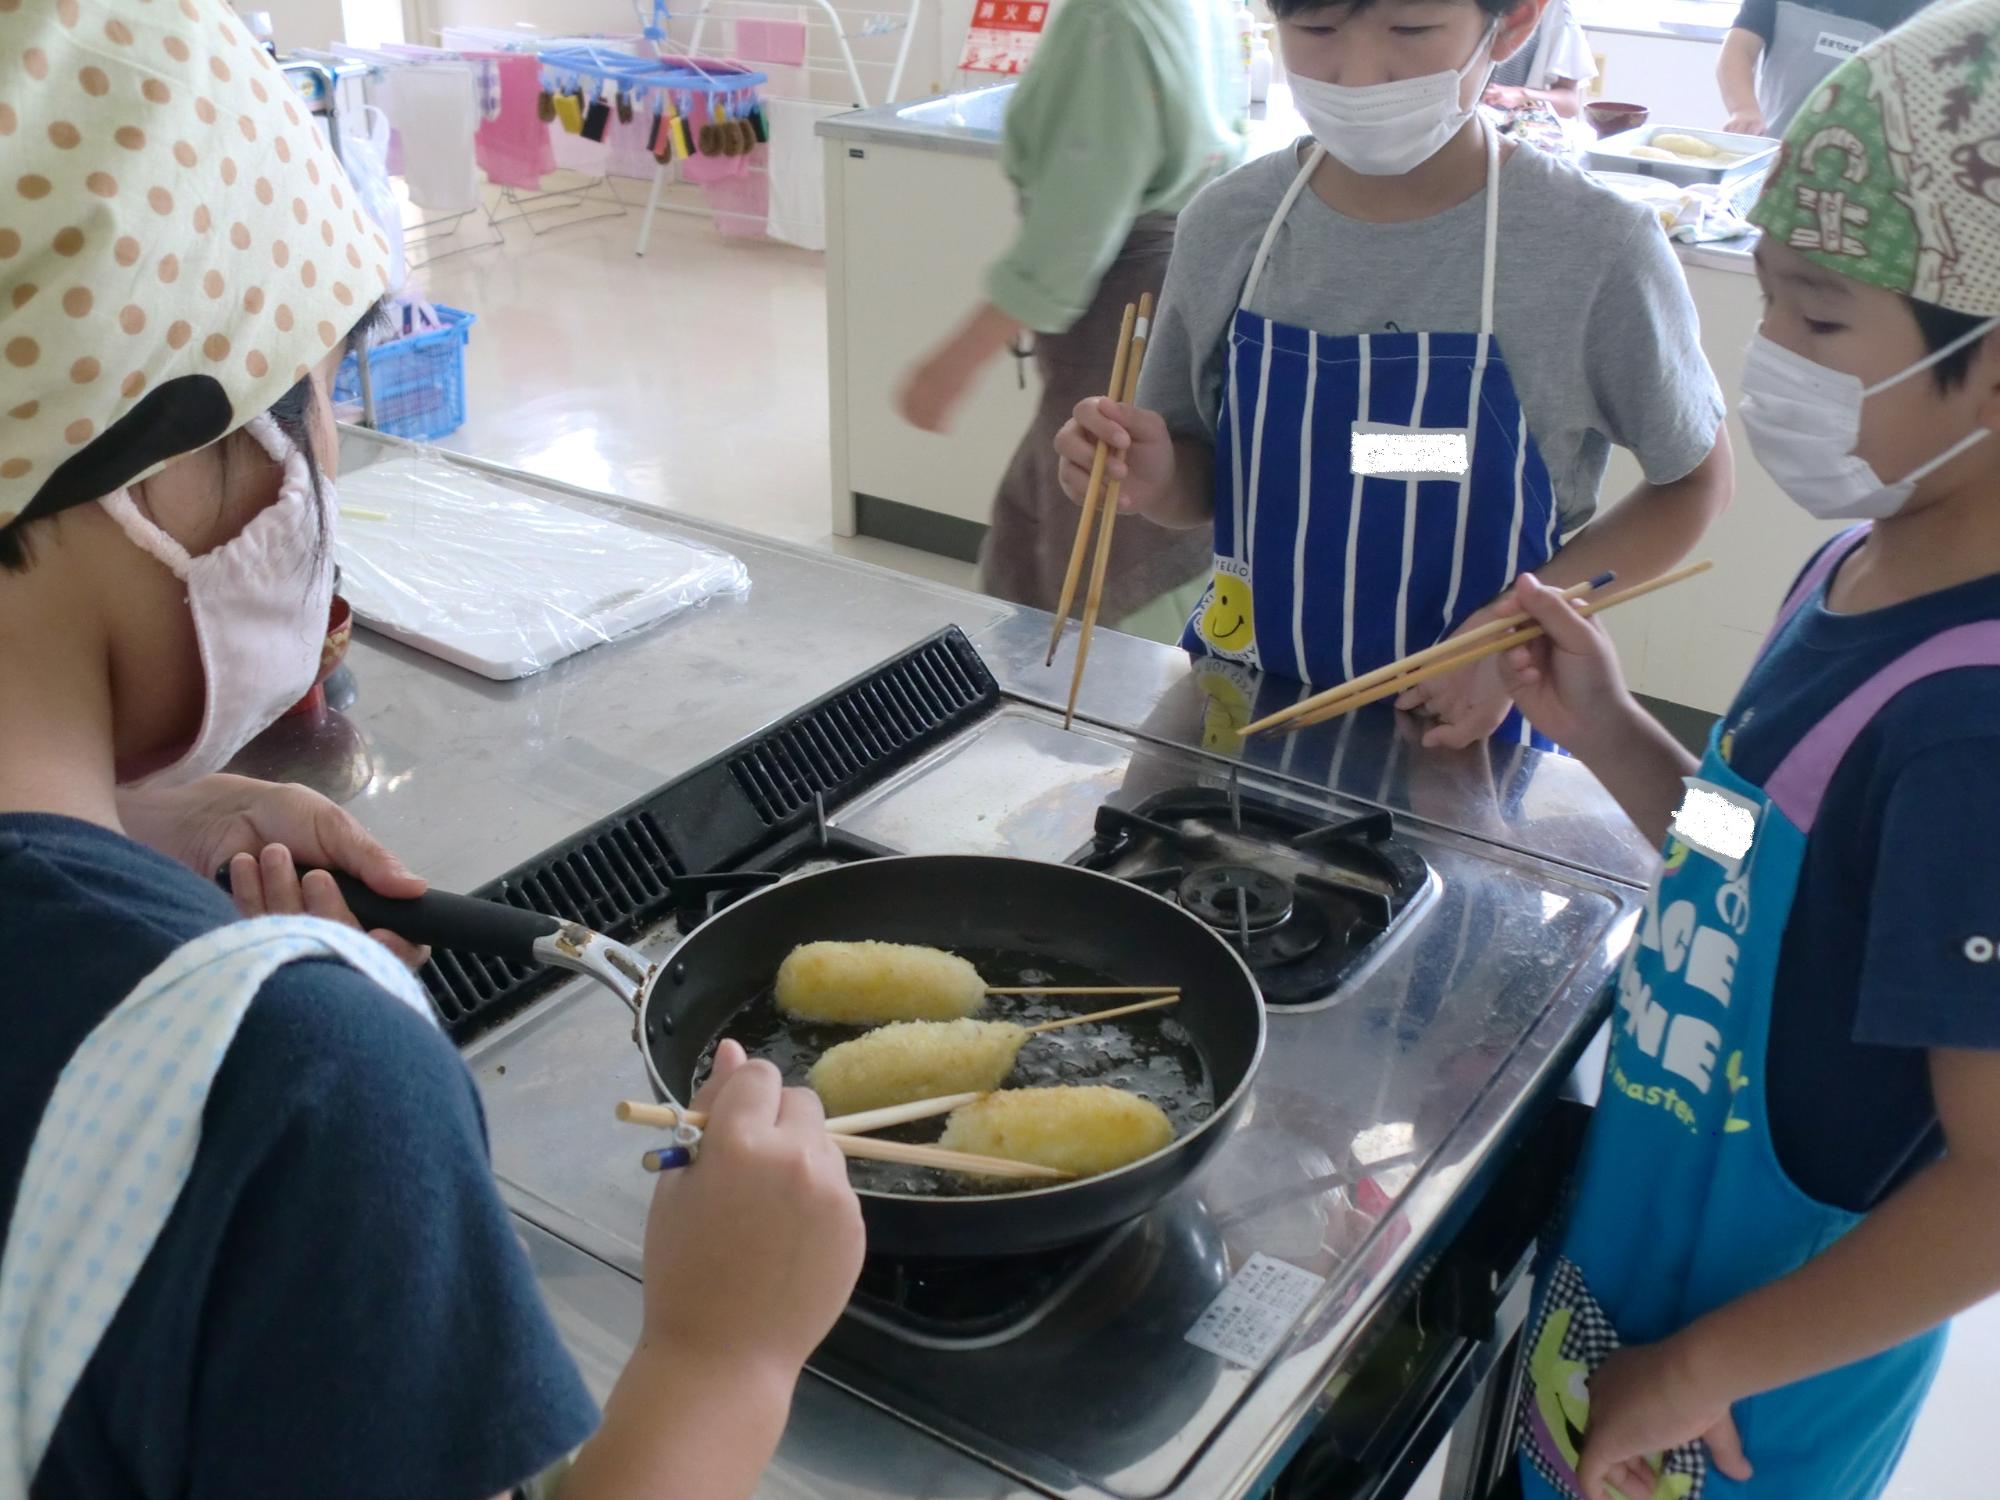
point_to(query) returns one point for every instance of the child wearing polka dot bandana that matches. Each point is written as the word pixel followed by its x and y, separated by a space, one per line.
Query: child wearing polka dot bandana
pixel 1793 1178
pixel 252 1244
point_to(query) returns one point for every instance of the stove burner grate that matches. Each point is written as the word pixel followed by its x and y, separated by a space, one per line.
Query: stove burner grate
pixel 1237 898
pixel 1305 901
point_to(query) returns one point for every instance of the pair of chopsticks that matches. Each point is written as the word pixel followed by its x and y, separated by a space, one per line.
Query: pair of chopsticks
pixel 1449 655
pixel 1097 499
pixel 848 1132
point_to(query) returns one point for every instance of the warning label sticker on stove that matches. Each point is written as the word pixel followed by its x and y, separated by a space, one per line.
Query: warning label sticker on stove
pixel 1255 1311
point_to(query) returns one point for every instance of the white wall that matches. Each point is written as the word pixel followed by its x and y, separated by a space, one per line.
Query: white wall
pixel 302 23
pixel 1672 76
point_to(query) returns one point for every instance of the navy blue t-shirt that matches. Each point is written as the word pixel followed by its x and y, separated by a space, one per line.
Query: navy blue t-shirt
pixel 1889 949
pixel 338 1304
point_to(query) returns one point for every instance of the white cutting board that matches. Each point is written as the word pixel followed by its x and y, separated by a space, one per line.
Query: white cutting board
pixel 502 583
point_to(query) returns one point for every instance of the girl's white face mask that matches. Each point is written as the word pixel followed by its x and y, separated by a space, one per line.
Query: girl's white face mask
pixel 1804 422
pixel 1386 129
pixel 260 605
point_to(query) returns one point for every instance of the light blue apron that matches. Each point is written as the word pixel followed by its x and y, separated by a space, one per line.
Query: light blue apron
pixel 1321 572
pixel 1682 1204
pixel 116 1143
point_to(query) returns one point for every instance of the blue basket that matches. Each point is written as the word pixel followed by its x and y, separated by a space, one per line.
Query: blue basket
pixel 419 381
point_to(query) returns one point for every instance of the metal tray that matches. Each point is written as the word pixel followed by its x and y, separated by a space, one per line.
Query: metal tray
pixel 1754 155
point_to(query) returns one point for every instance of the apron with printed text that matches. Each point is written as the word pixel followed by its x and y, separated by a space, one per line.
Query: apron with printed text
pixel 1682 1204
pixel 1806 45
pixel 1371 490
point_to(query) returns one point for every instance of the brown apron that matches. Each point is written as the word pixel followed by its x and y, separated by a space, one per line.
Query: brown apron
pixel 1034 523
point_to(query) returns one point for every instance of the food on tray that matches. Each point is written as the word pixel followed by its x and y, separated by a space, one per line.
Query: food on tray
pixel 914 1060
pixel 1686 145
pixel 864 984
pixel 1690 150
pixel 1086 1130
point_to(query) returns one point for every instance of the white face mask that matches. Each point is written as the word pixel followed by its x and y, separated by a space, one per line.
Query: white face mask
pixel 1804 421
pixel 260 604
pixel 1386 129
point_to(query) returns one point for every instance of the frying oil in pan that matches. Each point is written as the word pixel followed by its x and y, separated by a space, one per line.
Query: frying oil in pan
pixel 1151 1054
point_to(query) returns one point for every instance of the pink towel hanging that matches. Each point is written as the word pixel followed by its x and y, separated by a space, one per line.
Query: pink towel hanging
pixel 781 42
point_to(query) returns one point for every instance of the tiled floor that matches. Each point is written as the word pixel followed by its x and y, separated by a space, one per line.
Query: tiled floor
pixel 696 379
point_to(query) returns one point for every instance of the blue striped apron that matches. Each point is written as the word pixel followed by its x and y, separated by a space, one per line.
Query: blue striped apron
pixel 1322 573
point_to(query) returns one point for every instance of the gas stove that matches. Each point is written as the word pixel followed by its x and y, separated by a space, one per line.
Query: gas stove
pixel 1238 1335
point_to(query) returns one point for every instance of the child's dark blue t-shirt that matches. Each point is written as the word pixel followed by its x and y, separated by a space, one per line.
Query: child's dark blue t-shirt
pixel 338 1304
pixel 1890 947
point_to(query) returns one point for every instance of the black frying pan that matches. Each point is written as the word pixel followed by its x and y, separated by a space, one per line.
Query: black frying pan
pixel 1071 917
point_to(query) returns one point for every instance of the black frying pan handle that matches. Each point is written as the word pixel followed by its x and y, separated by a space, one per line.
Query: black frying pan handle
pixel 445 920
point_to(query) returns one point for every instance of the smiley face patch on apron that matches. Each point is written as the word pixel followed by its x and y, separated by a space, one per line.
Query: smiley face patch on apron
pixel 1227 621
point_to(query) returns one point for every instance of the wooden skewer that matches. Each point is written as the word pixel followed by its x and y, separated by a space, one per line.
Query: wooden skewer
pixel 861 1146
pixel 665 1116
pixel 867 1148
pixel 1141 330
pixel 1083 989
pixel 862 1122
pixel 1494 647
pixel 1452 646
pixel 1106 1015
pixel 1090 495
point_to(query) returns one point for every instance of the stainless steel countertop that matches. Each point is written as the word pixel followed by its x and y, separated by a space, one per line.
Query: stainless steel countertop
pixel 968 123
pixel 467 778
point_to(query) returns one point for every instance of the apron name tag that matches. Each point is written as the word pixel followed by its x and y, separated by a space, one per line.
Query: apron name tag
pixel 1382 450
pixel 1716 822
pixel 1833 44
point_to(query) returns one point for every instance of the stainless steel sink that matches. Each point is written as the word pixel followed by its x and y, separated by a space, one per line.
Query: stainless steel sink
pixel 978 112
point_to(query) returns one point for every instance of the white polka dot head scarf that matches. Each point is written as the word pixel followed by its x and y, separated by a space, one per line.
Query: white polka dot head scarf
pixel 1890 173
pixel 178 245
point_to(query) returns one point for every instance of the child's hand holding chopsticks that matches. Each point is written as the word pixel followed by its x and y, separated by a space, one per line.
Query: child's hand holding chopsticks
pixel 1465 706
pixel 1568 681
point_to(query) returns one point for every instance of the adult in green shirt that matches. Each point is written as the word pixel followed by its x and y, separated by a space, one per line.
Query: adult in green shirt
pixel 1122 117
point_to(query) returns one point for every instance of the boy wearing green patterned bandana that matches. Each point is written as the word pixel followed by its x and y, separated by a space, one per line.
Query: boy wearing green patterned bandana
pixel 1793 1179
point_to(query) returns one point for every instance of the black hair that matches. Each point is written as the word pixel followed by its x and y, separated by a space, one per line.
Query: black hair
pixel 292 413
pixel 1941 328
pixel 1283 9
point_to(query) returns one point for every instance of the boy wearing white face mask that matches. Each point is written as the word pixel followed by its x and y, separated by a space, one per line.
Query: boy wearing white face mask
pixel 1389 367
pixel 1793 1178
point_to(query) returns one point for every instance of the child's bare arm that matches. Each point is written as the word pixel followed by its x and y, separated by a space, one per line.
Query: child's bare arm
pixel 1650 530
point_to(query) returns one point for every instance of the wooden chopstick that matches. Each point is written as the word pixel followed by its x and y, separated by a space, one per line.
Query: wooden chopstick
pixel 862 1147
pixel 666 1116
pixel 1449 647
pixel 1090 495
pixel 868 1148
pixel 1141 331
pixel 1525 631
pixel 1083 989
pixel 1106 1015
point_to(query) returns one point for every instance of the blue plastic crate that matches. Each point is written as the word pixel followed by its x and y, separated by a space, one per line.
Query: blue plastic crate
pixel 419 381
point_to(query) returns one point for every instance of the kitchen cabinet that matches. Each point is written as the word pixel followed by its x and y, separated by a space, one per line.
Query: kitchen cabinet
pixel 910 228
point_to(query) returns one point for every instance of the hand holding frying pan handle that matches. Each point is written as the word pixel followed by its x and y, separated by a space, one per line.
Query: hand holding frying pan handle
pixel 443 919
